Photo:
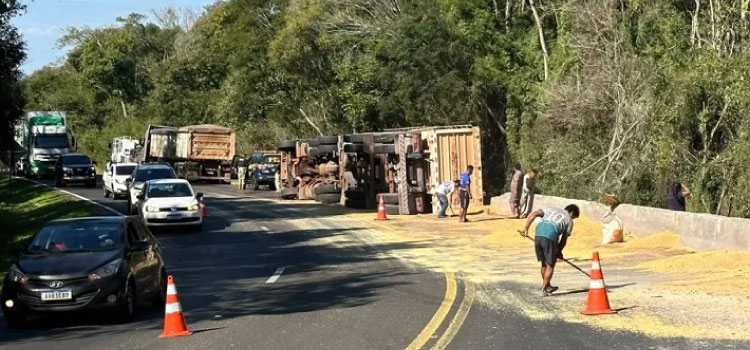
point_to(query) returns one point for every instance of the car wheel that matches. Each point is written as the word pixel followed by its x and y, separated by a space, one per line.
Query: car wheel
pixel 126 310
pixel 160 296
pixel 106 192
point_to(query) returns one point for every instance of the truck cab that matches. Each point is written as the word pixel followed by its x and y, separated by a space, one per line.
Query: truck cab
pixel 45 137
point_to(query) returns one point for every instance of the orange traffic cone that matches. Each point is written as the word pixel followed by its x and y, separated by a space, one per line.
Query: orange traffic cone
pixel 598 302
pixel 381 210
pixel 174 322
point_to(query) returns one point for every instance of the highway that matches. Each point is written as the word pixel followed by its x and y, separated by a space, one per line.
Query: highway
pixel 267 275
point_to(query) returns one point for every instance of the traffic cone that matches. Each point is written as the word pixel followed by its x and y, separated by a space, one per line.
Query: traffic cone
pixel 598 302
pixel 202 204
pixel 174 322
pixel 381 210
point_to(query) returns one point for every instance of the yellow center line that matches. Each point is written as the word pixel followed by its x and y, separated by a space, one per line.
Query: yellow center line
pixel 439 316
pixel 458 319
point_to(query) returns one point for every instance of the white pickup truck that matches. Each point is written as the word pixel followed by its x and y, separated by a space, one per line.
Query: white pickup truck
pixel 114 179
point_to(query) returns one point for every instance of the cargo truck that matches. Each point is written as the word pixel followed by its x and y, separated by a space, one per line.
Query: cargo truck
pixel 43 136
pixel 197 152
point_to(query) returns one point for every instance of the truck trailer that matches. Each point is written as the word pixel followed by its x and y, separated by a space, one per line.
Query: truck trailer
pixel 43 136
pixel 197 152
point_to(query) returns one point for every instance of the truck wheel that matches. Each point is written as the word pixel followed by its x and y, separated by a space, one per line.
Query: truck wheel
pixel 385 149
pixel 313 143
pixel 287 145
pixel 327 148
pixel 356 138
pixel 389 198
pixel 328 197
pixel 326 188
pixel 313 152
pixel 290 193
pixel 384 138
pixel 328 140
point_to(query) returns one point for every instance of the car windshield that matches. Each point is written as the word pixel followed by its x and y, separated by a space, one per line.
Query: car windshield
pixel 179 189
pixel 124 169
pixel 77 236
pixel 51 141
pixel 76 160
pixel 143 175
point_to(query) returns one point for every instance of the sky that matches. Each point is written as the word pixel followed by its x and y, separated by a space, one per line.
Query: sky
pixel 46 20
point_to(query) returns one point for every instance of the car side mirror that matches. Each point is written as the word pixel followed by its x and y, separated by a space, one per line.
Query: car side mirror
pixel 199 195
pixel 140 246
pixel 140 196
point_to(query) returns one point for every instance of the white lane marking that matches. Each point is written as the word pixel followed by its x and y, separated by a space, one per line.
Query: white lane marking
pixel 77 196
pixel 276 275
pixel 265 228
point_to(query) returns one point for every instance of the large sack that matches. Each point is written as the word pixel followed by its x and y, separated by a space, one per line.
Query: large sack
pixel 611 228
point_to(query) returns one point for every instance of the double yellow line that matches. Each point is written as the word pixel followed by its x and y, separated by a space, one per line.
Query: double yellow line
pixel 442 312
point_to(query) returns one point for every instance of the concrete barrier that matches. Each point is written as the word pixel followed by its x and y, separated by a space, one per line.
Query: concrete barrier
pixel 697 231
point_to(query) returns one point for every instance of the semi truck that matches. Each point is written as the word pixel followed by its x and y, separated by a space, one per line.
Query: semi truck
pixel 43 136
pixel 197 152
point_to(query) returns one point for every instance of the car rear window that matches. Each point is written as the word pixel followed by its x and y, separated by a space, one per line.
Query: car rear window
pixel 76 160
pixel 76 236
pixel 143 175
pixel 124 169
pixel 169 190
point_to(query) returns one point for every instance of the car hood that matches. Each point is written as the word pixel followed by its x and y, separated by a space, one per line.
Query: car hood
pixel 168 202
pixel 65 264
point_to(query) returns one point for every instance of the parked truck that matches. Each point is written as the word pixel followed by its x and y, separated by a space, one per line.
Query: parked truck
pixel 197 152
pixel 43 136
pixel 123 150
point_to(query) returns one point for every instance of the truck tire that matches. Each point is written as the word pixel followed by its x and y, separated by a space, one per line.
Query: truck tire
pixel 385 149
pixel 327 148
pixel 358 195
pixel 328 140
pixel 290 193
pixel 355 204
pixel 389 198
pixel 392 209
pixel 326 188
pixel 354 148
pixel 384 138
pixel 328 197
pixel 356 138
pixel 313 152
pixel 313 143
pixel 287 145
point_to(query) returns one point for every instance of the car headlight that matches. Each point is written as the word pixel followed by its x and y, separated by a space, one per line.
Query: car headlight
pixel 193 206
pixel 16 275
pixel 151 209
pixel 67 170
pixel 93 169
pixel 107 270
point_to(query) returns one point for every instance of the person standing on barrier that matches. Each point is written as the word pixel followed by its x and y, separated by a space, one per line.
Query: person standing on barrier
pixel 516 182
pixel 464 192
pixel 550 238
pixel 443 192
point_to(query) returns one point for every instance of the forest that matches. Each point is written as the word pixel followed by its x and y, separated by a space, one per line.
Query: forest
pixel 617 96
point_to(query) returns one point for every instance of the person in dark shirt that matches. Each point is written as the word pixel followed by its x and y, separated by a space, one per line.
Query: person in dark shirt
pixel 676 194
pixel 464 192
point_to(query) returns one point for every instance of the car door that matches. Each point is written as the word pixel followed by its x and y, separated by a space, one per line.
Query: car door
pixel 137 259
pixel 153 262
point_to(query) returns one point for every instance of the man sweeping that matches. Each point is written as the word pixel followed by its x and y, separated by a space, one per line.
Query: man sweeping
pixel 444 193
pixel 551 236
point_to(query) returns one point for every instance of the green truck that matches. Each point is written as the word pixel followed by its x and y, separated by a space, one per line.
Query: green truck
pixel 43 136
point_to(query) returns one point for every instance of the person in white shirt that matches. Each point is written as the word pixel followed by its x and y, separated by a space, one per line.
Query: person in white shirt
pixel 528 191
pixel 443 191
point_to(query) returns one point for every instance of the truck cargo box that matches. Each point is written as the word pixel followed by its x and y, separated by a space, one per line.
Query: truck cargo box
pixel 205 142
pixel 161 143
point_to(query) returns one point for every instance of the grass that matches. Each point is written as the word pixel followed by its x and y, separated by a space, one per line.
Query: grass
pixel 24 207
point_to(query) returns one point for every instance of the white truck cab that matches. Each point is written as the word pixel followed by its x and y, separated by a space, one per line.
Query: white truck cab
pixel 115 178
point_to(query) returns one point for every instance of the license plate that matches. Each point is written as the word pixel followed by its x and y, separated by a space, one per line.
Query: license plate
pixel 63 294
pixel 174 216
pixel 210 172
pixel 79 178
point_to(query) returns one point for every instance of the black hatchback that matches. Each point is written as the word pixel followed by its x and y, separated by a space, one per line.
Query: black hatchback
pixel 94 263
pixel 75 167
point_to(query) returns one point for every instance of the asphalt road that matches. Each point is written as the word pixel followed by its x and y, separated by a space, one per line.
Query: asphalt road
pixel 334 292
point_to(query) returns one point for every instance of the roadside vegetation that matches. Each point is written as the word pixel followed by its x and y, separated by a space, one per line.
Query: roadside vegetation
pixel 24 207
pixel 616 96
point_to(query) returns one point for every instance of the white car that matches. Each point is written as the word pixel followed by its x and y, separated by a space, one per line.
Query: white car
pixel 170 202
pixel 115 179
pixel 141 174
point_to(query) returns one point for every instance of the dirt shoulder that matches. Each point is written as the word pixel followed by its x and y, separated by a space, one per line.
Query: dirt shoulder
pixel 660 287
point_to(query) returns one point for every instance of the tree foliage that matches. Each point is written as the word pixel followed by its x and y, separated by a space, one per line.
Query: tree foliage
pixel 11 56
pixel 617 96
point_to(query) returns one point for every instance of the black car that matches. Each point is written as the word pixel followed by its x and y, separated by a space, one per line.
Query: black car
pixel 262 170
pixel 75 168
pixel 94 263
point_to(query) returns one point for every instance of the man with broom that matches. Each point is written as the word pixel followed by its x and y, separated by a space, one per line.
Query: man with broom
pixel 551 236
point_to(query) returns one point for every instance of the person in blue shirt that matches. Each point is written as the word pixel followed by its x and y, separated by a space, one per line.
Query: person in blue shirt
pixel 551 236
pixel 464 192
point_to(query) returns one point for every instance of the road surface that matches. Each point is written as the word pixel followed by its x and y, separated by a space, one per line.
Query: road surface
pixel 263 275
